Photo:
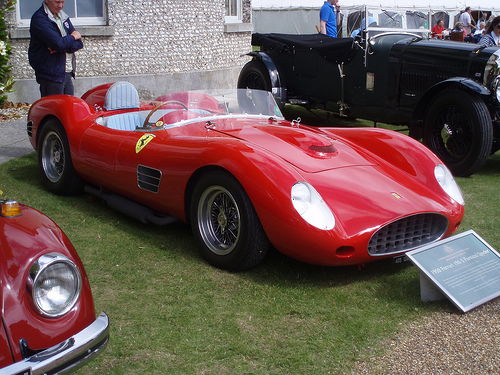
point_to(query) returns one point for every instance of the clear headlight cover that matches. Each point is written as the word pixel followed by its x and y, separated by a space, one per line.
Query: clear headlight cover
pixel 311 206
pixel 55 284
pixel 448 183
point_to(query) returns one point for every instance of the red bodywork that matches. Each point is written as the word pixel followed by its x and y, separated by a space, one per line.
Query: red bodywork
pixel 369 178
pixel 23 239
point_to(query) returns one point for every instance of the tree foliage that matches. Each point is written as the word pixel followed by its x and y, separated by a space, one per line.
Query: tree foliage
pixel 6 81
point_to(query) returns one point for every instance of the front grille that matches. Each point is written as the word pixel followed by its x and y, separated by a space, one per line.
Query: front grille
pixel 407 233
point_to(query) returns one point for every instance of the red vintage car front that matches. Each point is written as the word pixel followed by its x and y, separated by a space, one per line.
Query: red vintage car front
pixel 48 322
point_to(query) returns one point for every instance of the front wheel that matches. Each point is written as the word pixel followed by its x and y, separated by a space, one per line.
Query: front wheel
pixel 458 129
pixel 226 225
pixel 54 161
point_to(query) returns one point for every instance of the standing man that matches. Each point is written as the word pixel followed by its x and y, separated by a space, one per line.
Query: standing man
pixel 467 20
pixel 329 18
pixel 53 43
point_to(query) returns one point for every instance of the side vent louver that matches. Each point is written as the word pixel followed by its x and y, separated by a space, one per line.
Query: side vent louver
pixel 148 178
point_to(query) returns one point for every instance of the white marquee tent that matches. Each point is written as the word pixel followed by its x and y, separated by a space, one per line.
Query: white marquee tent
pixel 302 16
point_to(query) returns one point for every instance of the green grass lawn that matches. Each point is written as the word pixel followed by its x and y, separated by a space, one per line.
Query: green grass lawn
pixel 171 313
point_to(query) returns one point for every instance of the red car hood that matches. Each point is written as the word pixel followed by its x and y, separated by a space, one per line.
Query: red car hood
pixel 308 151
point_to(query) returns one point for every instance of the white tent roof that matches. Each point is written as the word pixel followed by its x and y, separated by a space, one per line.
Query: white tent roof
pixel 486 5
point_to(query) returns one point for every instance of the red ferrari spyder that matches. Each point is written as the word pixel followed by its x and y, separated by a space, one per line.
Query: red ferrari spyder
pixel 246 179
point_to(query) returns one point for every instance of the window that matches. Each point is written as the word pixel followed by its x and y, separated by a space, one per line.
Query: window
pixel 233 11
pixel 81 12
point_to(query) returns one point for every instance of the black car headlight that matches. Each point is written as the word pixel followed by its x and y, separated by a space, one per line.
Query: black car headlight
pixel 55 283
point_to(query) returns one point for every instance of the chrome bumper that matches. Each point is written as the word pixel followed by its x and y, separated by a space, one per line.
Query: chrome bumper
pixel 67 356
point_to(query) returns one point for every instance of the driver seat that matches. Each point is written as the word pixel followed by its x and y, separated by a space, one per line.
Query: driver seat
pixel 122 95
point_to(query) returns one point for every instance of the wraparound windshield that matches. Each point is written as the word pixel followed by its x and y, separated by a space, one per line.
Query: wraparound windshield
pixel 192 105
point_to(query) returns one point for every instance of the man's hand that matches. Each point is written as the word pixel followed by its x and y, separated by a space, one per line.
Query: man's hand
pixel 76 35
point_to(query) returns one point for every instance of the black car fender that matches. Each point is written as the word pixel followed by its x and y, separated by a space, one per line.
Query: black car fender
pixel 278 87
pixel 467 84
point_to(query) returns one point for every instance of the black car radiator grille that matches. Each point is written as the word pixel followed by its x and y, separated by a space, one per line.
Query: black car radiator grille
pixel 407 233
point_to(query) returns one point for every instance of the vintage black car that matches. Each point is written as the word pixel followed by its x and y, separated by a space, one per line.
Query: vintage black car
pixel 446 92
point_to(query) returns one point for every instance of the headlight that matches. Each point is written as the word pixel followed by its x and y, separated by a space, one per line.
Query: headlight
pixel 496 88
pixel 447 182
pixel 55 284
pixel 311 206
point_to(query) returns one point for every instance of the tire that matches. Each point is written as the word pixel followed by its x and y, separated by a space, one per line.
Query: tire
pixel 54 161
pixel 458 129
pixel 254 75
pixel 225 223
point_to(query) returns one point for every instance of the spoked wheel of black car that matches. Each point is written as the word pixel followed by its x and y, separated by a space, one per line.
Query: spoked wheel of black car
pixel 54 160
pixel 254 75
pixel 458 129
pixel 225 223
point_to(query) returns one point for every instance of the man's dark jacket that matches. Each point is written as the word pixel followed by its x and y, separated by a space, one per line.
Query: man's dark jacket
pixel 44 34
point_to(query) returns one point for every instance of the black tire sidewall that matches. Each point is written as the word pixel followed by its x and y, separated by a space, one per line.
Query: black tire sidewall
pixel 482 129
pixel 252 243
pixel 254 67
pixel 69 183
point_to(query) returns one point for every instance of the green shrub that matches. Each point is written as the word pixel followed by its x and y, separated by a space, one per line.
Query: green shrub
pixel 6 81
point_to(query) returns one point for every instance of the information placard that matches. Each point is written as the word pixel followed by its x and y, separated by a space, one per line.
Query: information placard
pixel 464 268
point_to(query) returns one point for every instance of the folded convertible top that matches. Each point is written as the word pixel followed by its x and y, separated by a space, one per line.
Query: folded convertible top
pixel 336 50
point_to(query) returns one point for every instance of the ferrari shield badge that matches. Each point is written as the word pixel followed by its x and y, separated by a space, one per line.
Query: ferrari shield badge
pixel 143 141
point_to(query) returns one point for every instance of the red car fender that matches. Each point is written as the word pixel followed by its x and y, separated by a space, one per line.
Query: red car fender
pixel 68 110
pixel 24 239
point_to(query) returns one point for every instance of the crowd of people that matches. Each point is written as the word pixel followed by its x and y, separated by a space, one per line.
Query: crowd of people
pixel 485 31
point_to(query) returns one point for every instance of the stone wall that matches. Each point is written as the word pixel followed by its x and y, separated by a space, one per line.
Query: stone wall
pixel 151 38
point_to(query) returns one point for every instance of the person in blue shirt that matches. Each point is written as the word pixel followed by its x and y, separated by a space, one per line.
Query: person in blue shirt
pixel 329 18
pixel 53 43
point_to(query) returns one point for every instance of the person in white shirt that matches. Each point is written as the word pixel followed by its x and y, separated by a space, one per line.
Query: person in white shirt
pixel 467 20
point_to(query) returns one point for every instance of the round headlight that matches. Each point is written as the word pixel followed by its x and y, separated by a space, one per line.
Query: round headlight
pixel 496 88
pixel 448 183
pixel 55 284
pixel 311 206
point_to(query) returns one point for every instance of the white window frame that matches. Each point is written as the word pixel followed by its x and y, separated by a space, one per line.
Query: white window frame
pixel 239 12
pixel 77 21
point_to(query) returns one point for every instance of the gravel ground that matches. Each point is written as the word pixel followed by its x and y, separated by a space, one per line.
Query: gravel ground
pixel 11 111
pixel 448 342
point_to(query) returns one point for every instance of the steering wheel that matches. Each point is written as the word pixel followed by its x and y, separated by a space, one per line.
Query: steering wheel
pixel 161 105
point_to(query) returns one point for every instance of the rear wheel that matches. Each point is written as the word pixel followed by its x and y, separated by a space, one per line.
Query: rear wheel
pixel 458 129
pixel 54 161
pixel 226 225
pixel 254 75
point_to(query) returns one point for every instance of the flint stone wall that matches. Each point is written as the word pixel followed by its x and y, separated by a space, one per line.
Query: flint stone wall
pixel 175 43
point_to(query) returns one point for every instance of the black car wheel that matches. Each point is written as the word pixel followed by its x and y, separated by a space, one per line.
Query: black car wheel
pixel 54 161
pixel 226 225
pixel 254 75
pixel 458 129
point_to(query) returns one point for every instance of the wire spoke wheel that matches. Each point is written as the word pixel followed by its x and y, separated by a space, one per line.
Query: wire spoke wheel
pixel 225 224
pixel 53 157
pixel 219 220
pixel 452 135
pixel 459 130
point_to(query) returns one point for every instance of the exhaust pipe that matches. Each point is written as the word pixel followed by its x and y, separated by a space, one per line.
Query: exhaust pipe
pixel 130 208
